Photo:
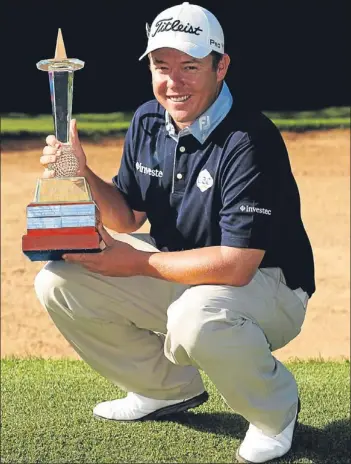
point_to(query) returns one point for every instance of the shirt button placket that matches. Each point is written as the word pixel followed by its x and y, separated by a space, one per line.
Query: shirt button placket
pixel 178 176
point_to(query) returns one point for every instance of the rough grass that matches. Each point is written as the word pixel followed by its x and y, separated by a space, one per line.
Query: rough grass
pixel 47 418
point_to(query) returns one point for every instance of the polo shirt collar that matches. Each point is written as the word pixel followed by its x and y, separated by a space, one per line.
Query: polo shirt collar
pixel 202 127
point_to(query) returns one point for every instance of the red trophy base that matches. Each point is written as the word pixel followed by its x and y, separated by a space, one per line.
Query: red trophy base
pixel 51 244
pixel 54 229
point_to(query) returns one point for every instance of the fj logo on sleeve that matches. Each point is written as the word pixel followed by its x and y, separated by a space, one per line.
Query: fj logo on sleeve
pixel 253 209
pixel 204 180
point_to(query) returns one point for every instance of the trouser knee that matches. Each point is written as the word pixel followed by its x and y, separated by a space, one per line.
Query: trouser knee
pixel 203 329
pixel 51 281
pixel 190 335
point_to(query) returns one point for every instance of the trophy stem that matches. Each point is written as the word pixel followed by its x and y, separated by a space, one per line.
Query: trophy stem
pixel 61 91
pixel 60 70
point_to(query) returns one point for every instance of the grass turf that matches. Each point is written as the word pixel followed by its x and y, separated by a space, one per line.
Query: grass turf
pixel 16 125
pixel 47 418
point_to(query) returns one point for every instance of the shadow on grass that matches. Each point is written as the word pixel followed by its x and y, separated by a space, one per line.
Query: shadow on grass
pixel 319 446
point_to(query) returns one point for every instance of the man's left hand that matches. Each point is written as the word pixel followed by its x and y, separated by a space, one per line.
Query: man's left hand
pixel 118 259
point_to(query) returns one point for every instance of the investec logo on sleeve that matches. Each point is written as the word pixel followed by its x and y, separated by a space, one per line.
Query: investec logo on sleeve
pixel 148 171
pixel 253 209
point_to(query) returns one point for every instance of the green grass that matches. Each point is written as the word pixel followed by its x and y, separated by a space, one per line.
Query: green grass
pixel 333 112
pixel 326 118
pixel 47 418
pixel 88 124
pixel 98 125
pixel 302 125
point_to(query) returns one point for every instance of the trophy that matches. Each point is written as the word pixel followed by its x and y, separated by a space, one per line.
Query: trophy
pixel 63 216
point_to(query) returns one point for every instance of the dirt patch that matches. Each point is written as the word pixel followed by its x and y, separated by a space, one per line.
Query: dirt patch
pixel 320 162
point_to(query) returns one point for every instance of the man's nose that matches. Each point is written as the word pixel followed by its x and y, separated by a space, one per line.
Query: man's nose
pixel 175 79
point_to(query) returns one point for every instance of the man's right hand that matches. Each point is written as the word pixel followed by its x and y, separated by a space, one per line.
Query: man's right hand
pixel 52 151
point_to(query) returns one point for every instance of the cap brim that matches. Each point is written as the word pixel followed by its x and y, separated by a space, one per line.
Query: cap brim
pixel 196 51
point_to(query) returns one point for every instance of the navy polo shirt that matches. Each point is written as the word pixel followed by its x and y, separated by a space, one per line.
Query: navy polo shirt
pixel 225 180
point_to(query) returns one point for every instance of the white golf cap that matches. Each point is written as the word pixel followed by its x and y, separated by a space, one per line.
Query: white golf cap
pixel 188 28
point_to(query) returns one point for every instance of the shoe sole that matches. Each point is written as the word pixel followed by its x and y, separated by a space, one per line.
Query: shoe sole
pixel 168 410
pixel 245 461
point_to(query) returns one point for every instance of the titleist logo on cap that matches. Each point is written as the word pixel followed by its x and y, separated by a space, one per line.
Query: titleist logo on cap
pixel 164 25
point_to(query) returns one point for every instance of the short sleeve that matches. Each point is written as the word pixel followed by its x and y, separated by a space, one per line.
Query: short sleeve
pixel 125 180
pixel 247 194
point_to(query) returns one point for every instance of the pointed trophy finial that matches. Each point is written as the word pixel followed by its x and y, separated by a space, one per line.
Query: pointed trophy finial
pixel 60 62
pixel 60 52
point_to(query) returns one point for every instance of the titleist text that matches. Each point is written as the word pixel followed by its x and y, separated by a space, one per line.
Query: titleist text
pixel 164 25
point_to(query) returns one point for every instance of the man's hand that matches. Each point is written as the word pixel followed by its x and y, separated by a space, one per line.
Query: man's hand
pixel 52 151
pixel 118 259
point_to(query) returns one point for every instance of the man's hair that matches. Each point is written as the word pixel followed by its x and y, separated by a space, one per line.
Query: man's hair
pixel 216 58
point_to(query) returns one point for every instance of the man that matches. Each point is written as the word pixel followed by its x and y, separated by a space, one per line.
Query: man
pixel 225 275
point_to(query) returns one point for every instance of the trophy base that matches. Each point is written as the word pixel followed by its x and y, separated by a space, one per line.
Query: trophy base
pixel 54 255
pixel 62 219
pixel 50 245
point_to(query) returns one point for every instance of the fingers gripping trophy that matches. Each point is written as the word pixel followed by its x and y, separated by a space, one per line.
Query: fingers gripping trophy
pixel 62 217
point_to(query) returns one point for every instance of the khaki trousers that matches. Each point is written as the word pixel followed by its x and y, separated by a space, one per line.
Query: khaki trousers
pixel 152 337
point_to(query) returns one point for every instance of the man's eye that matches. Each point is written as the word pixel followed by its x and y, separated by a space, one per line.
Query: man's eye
pixel 190 68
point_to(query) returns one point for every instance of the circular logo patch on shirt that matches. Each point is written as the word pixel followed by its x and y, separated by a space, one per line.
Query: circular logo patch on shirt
pixel 204 180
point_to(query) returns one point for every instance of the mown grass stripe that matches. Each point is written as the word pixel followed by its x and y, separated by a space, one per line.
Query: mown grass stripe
pixel 47 418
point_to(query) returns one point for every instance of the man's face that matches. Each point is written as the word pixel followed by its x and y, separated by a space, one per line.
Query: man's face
pixel 183 85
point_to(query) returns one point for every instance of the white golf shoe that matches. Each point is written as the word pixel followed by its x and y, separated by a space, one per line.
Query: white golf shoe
pixel 258 447
pixel 137 407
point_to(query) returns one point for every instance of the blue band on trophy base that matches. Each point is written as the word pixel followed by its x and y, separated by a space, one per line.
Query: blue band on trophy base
pixel 60 222
pixel 55 255
pixel 61 210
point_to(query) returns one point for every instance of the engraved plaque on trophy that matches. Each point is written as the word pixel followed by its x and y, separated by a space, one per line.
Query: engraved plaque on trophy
pixel 63 216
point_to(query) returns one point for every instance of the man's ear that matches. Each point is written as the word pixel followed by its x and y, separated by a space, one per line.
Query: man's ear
pixel 223 66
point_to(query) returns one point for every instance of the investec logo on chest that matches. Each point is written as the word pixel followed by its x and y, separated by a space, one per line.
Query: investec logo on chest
pixel 148 171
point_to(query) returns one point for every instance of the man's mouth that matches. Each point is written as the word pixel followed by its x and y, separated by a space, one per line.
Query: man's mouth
pixel 179 99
